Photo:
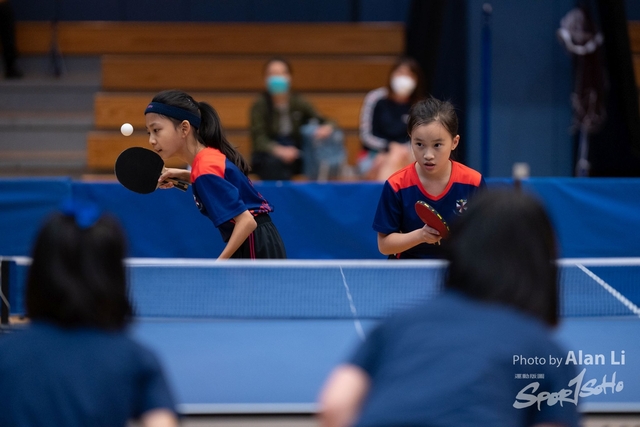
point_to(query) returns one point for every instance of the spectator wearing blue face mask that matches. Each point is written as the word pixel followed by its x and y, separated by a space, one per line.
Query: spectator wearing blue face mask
pixel 280 122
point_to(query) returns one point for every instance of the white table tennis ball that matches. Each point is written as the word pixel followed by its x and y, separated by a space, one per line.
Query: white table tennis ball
pixel 126 129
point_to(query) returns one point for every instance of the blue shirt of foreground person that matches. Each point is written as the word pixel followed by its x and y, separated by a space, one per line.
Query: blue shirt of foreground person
pixel 449 361
pixel 74 365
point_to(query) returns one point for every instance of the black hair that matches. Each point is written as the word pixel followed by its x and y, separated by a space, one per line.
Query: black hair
pixel 433 110
pixel 77 277
pixel 503 249
pixel 277 59
pixel 210 133
pixel 419 91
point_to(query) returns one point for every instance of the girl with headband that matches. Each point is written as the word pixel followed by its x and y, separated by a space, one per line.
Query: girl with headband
pixel 180 126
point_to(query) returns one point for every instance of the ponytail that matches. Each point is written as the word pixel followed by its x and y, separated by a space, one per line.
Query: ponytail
pixel 210 132
pixel 212 135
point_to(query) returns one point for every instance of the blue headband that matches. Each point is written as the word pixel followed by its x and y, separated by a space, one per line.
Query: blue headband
pixel 173 112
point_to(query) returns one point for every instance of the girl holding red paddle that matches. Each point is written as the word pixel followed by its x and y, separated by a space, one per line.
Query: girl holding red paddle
pixel 180 126
pixel 443 183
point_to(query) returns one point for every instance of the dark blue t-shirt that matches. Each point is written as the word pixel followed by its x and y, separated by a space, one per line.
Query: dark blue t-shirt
pixel 396 208
pixel 390 121
pixel 50 376
pixel 222 192
pixel 449 362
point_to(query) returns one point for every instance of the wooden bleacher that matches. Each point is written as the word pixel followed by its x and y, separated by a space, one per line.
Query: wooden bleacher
pixel 334 65
pixel 103 147
pixel 200 72
pixel 113 109
pixel 100 38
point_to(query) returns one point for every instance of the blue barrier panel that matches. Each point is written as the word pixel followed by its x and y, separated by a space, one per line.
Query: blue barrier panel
pixel 593 217
pixel 24 203
pixel 315 220
pixel 325 221
pixel 161 224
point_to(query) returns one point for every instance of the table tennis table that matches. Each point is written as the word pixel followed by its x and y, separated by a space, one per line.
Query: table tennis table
pixel 263 338
pixel 248 366
pixel 279 366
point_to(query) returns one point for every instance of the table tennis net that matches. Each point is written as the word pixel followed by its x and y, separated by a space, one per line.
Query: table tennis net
pixel 339 289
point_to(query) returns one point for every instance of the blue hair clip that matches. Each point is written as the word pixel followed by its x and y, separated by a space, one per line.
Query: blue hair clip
pixel 85 214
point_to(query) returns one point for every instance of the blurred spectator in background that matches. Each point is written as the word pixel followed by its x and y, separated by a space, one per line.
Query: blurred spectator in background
pixel 383 121
pixel 288 135
pixel 74 364
pixel 8 38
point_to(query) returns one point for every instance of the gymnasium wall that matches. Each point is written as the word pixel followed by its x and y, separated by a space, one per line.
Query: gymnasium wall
pixel 531 85
pixel 633 10
pixel 213 10
pixel 243 10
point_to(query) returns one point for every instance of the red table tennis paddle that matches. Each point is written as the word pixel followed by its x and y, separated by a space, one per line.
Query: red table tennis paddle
pixel 432 218
pixel 138 169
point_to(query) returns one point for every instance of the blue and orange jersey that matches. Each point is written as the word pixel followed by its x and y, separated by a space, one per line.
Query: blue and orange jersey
pixel 396 208
pixel 222 192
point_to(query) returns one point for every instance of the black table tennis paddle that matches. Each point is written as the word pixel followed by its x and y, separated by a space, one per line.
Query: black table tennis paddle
pixel 138 169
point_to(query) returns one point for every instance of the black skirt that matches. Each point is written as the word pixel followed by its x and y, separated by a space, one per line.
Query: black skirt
pixel 264 243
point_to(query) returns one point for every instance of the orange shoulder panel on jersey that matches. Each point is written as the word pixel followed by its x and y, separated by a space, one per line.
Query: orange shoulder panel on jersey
pixel 462 174
pixel 208 161
pixel 405 177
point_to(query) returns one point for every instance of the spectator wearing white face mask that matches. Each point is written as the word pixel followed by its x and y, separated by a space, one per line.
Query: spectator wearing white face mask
pixel 383 121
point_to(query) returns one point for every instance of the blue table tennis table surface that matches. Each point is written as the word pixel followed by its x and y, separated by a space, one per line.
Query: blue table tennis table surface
pixel 263 337
pixel 279 366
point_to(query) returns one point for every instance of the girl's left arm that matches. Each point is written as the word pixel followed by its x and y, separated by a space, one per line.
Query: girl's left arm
pixel 244 226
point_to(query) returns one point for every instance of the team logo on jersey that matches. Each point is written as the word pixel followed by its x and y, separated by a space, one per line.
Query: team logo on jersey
pixel 461 206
